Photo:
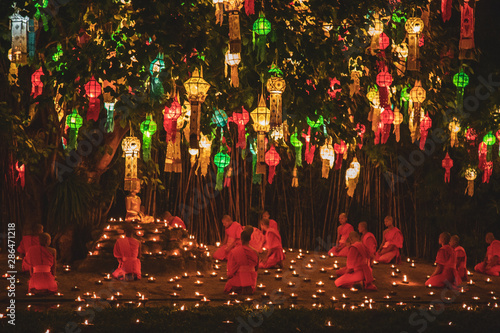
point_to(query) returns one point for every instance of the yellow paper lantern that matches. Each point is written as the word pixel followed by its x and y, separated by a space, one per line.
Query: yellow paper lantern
pixel 414 26
pixel 131 146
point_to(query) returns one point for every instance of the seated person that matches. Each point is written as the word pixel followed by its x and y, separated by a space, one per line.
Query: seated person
pixel 42 261
pixel 127 251
pixel 491 263
pixel 446 270
pixel 173 221
pixel 357 265
pixel 274 249
pixel 461 257
pixel 242 264
pixel 391 244
pixel 368 239
pixel 29 239
pixel 231 238
pixel 272 223
pixel 342 234
pixel 257 240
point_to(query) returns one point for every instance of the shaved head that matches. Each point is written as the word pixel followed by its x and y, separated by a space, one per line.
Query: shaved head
pixel 490 237
pixel 354 237
pixel 445 238
pixel 44 239
pixel 454 240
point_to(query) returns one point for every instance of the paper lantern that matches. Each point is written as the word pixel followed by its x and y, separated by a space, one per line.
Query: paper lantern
pixel 148 128
pixel 173 162
pixel 155 68
pixel 310 148
pixel 482 152
pixel 261 118
pixel 470 175
pixel 352 176
pixel 460 80
pixel 454 128
pixel 220 118
pixel 93 90
pixel 241 119
pixel 232 7
pixel 19 30
pixel 196 89
pixel 360 129
pixel 425 125
pixel 170 116
pixel 383 41
pixel 275 86
pixel 327 154
pixel 340 149
pixel 488 170
pixel 489 140
pixel 417 97
pixel 21 173
pixel 374 31
pixel 110 116
pixel 387 118
pixel 36 83
pixel 467 45
pixel 74 121
pixel 384 79
pixel 272 160
pixel 398 119
pixel 206 150
pixel 131 147
pixel 256 178
pixel 233 60
pixel 261 28
pixel 221 161
pixel 447 164
pixel 418 94
pixel 414 26
pixel 295 141
pixel 295 178
pixel 316 123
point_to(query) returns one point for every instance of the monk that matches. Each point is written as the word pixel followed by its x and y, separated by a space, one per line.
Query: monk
pixel 342 234
pixel 357 265
pixel 368 239
pixel 231 238
pixel 257 240
pixel 242 264
pixel 461 257
pixel 272 223
pixel 274 249
pixel 42 261
pixel 446 270
pixel 127 251
pixel 174 221
pixel 391 244
pixel 30 238
pixel 491 263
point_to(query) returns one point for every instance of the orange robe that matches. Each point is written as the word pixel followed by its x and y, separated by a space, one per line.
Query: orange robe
pixel 358 260
pixel 370 242
pixel 493 250
pixel 273 224
pixel 391 237
pixel 461 262
pixel 26 243
pixel 344 231
pixel 126 250
pixel 177 223
pixel 257 240
pixel 242 264
pixel 275 249
pixel 233 234
pixel 42 263
pixel 446 257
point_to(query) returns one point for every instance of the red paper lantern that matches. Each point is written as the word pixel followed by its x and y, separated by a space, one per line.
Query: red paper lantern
pixel 425 125
pixel 383 41
pixel 447 164
pixel 384 79
pixel 340 150
pixel 386 118
pixel 241 119
pixel 93 90
pixel 36 83
pixel 170 116
pixel 272 159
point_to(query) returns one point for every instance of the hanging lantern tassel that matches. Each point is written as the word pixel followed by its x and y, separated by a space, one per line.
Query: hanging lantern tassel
pixel 447 164
pixel 454 128
pixel 482 155
pixel 470 175
pixel 295 179
pixel 417 97
pixel 204 159
pixel 249 7
pixel 466 45
pixel 241 119
pixel 219 11
pixel 110 117
pixel 261 28
pixel 446 9
pixel 398 119
pixel 93 90
pixel 309 155
pixel 148 128
pixel 74 121
pixel 173 162
pixel 387 118
pixel 272 160
pixel 352 176
pixel 221 161
pixel 21 172
pixel 340 149
pixel 413 26
pixel 233 60
pixel 327 154
pixel 355 86
pixel 227 180
pixel 425 125
pixel 488 170
pixel 294 140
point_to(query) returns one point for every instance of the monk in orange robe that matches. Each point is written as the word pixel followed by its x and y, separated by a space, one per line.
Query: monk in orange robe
pixel 274 248
pixel 242 264
pixel 272 223
pixel 42 261
pixel 357 266
pixel 231 238
pixel 491 263
pixel 257 240
pixel 391 244
pixel 446 270
pixel 343 232
pixel 368 239
pixel 461 257
pixel 127 251
pixel 174 221
pixel 29 239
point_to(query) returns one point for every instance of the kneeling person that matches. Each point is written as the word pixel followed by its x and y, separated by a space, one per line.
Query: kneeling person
pixel 42 262
pixel 275 255
pixel 127 251
pixel 446 270
pixel 242 265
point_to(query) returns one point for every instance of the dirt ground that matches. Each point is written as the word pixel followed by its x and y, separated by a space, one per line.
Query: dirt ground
pixel 310 268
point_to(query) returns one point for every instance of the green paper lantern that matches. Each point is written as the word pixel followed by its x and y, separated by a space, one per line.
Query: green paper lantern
pixel 157 65
pixel 219 118
pixel 489 139
pixel 262 26
pixel 74 121
pixel 221 161
pixel 294 140
pixel 461 80
pixel 315 124
pixel 148 128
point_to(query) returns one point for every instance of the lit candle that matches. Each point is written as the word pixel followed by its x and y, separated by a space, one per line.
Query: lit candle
pixel 393 274
pixel 309 266
pixel 151 279
pixel 408 259
pixel 59 295
pixel 415 297
pixel 174 295
pixel 323 256
pixel 354 290
pixel 86 323
pixel 198 282
pixel 412 265
pixel 320 291
pixel 79 300
pixel 320 283
pixel 475 298
pixel 488 280
pixel 292 262
pixel 394 284
pixel 469 273
pixel 375 262
pixel 387 297
pixel 213 274
pixel 344 296
pixel 177 287
pixel 177 278
pixel 266 272
pixel 223 279
pixel 335 266
pixel 279 291
pixel 185 275
pixel 295 274
pixel 332 277
pixel 75 288
pixel 292 268
pixel 98 282
pixel 216 267
pixel 322 270
pixel 470 282
pixel 431 293
pixel 278 277
pixel 405 279
pixel 333 299
pixel 291 284
pixel 107 277
pixel 462 290
pixel 307 279
pixel 217 244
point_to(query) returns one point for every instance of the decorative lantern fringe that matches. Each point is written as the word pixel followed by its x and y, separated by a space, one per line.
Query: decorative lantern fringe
pixel 295 179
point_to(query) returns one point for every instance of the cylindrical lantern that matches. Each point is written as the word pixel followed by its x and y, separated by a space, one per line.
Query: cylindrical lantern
pixel 155 68
pixel 93 90
pixel 375 31
pixel 233 60
pixel 196 89
pixel 447 164
pixel 221 161
pixel 467 44
pixel 275 86
pixel 261 118
pixel 19 30
pixel 414 26
pixel 272 159
pixel 417 97
pixel 470 175
pixel 232 7
pixel 387 118
pixel 74 121
pixel 131 146
pixel 148 128
pixel 241 119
